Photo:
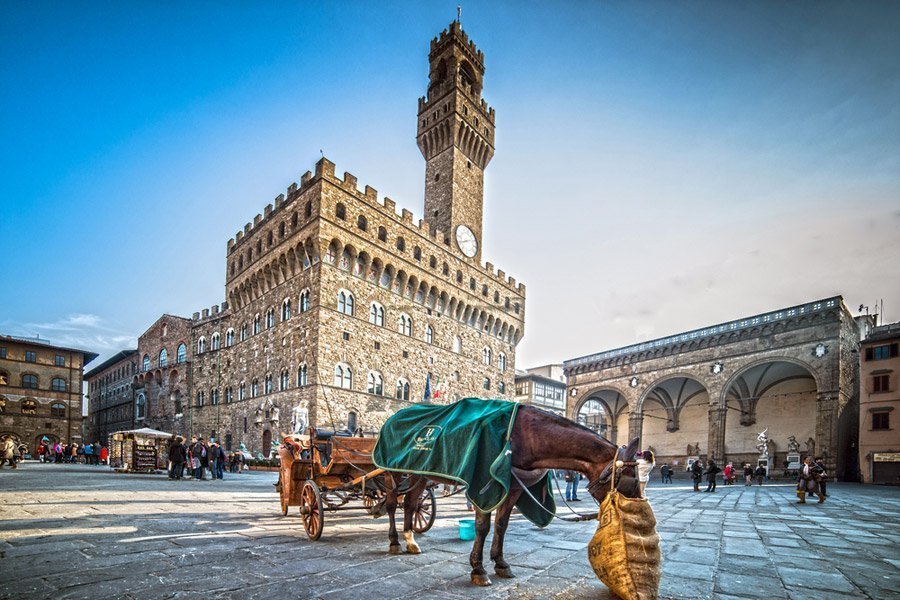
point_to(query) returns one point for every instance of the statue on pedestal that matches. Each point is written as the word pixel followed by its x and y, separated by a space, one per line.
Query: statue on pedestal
pixel 811 447
pixel 793 444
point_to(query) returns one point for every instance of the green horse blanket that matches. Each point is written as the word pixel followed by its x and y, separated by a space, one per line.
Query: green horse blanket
pixel 468 442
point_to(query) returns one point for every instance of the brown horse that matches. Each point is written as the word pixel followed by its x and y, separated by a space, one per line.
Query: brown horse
pixel 539 441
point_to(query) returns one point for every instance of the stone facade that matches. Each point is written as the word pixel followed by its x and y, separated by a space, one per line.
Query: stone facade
pixel 40 391
pixel 162 385
pixel 111 396
pixel 879 435
pixel 339 309
pixel 792 371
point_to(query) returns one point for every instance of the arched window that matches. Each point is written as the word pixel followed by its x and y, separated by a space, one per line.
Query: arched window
pixel 445 269
pixel 284 381
pixel 459 277
pixel 457 344
pixel 229 395
pixel 345 302
pixel 302 376
pixel 163 358
pixel 401 244
pixel 242 391
pixel 281 229
pixel 382 234
pixel 58 384
pixel 268 387
pixel 374 383
pixel 270 240
pixel 417 253
pixel 429 334
pixel 140 407
pixel 402 392
pixel 58 410
pixel 340 211
pixel 229 338
pixel 181 353
pixel 214 396
pixel 405 324
pixel 432 262
pixel 286 309
pixel 501 361
pixel 486 384
pixel 376 314
pixel 486 356
pixel 201 398
pixel 254 388
pixel 245 330
pixel 201 345
pixel 145 364
pixel 362 223
pixel 343 376
pixel 178 408
pixel 216 341
pixel 29 381
pixel 270 318
pixel 257 324
pixel 307 211
pixel 501 387
pixel 351 421
pixel 304 301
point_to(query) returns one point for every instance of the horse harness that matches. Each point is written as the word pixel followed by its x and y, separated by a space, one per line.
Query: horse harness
pixel 607 473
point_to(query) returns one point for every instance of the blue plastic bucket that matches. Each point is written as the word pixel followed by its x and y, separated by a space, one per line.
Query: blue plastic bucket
pixel 467 529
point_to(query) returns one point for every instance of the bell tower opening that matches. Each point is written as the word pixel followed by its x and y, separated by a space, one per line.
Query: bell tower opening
pixel 456 136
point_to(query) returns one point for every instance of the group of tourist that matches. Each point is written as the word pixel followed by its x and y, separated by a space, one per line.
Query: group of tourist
pixel 53 452
pixel 74 453
pixel 194 460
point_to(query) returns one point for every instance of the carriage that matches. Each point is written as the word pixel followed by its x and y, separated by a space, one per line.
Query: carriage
pixel 324 471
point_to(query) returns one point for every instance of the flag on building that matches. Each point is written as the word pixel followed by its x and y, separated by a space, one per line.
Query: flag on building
pixel 427 388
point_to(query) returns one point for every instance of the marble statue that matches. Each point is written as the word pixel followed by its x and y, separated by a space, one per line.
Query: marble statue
pixel 811 447
pixel 793 444
pixel 763 445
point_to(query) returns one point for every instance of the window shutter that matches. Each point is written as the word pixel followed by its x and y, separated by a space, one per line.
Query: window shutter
pixel 894 350
pixel 868 353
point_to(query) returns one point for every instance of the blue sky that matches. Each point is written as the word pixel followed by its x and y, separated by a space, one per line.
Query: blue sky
pixel 659 166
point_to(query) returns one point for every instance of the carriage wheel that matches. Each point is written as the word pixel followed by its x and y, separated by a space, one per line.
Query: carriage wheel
pixel 311 510
pixel 425 512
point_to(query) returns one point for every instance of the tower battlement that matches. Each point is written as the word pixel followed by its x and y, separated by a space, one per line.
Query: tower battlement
pixel 455 31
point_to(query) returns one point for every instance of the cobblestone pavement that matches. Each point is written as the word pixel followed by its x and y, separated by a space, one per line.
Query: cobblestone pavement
pixel 84 532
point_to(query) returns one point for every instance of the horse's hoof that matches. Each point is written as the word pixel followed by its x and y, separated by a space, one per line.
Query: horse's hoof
pixel 504 572
pixel 413 549
pixel 482 580
pixel 394 549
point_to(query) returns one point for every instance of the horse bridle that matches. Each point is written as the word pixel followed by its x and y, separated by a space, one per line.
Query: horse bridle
pixel 605 476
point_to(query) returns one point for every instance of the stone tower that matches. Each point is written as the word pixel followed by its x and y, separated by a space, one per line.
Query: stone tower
pixel 456 136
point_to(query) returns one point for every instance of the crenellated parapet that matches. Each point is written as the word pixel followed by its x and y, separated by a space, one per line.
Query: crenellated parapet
pixel 349 183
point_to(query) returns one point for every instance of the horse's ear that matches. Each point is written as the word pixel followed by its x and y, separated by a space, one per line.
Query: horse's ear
pixel 632 448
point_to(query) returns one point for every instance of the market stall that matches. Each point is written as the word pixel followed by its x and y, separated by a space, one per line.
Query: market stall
pixel 139 450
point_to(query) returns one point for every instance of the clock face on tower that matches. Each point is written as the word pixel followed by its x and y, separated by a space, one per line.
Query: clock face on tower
pixel 466 241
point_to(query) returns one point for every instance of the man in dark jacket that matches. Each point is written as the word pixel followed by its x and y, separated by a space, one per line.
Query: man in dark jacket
pixel 177 456
pixel 760 474
pixel 697 474
pixel 710 472
pixel 216 460
pixel 821 477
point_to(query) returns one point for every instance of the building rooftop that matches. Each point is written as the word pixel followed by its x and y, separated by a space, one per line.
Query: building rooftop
pixel 36 341
pixel 122 354
pixel 883 332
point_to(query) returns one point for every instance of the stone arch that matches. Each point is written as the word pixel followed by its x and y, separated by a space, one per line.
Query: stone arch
pixel 816 375
pixel 639 405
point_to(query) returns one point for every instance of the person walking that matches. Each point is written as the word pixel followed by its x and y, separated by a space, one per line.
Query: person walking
pixel 572 486
pixel 821 477
pixel 697 474
pixel 7 452
pixel 177 456
pixel 88 454
pixel 728 474
pixel 197 452
pixel 748 474
pixel 710 472
pixel 760 474
pixel 807 482
pixel 645 464
pixel 104 455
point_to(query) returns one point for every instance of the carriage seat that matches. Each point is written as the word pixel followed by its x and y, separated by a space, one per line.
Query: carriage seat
pixel 327 434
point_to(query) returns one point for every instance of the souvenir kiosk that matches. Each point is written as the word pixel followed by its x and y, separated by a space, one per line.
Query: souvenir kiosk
pixel 139 450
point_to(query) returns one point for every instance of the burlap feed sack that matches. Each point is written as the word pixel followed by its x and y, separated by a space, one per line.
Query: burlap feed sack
pixel 624 551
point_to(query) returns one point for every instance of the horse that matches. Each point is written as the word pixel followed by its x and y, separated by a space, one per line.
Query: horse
pixel 539 441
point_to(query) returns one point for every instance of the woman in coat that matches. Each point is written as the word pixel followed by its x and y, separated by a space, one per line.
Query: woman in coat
pixel 645 464
pixel 710 472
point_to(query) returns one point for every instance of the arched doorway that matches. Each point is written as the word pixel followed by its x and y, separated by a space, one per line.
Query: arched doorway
pixel 675 415
pixel 778 397
pixel 606 412
pixel 266 443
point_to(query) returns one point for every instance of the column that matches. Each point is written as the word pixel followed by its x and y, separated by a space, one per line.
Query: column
pixel 716 441
pixel 635 424
pixel 826 429
pixel 614 433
